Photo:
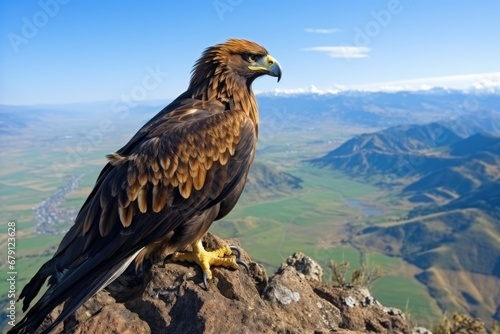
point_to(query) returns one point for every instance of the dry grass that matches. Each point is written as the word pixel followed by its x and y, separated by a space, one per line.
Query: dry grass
pixel 362 276
pixel 459 324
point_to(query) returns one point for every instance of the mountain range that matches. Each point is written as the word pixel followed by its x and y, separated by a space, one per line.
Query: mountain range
pixel 372 109
pixel 451 184
pixel 444 166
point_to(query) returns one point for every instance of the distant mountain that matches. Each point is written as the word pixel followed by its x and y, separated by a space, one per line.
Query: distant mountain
pixel 464 176
pixel 444 166
pixel 485 121
pixel 479 142
pixel 265 182
pixel 402 151
pixel 13 118
pixel 469 179
pixel 296 112
pixel 383 109
pixel 441 240
pixel 401 139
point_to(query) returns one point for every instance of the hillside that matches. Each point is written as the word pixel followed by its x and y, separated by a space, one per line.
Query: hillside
pixel 479 142
pixel 457 251
pixel 451 187
pixel 470 180
pixel 401 151
pixel 265 182
pixel 438 164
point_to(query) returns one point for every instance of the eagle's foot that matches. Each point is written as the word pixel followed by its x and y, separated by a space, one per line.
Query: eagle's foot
pixel 206 259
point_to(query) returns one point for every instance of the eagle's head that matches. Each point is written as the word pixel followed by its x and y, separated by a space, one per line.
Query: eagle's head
pixel 237 62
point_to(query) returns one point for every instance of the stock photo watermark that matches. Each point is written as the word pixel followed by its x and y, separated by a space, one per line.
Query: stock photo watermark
pixel 381 19
pixel 223 6
pixel 364 34
pixel 31 25
pixel 11 273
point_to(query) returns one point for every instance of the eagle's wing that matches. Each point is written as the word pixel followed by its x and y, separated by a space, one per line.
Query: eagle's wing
pixel 187 159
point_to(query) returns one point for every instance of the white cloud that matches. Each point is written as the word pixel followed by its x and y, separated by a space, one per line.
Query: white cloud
pixel 322 30
pixel 295 91
pixel 472 83
pixel 342 51
pixel 478 81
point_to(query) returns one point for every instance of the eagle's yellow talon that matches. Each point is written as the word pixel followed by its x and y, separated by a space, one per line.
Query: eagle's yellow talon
pixel 207 259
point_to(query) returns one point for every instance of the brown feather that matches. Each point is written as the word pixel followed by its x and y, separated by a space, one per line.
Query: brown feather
pixel 115 188
pixel 184 157
pixel 126 215
pixel 165 163
pixel 182 174
pixel 232 147
pixel 154 166
pixel 224 157
pixel 142 176
pixel 116 159
pixel 194 165
pixel 131 175
pixel 215 154
pixel 190 139
pixel 173 167
pixel 201 157
pixel 222 149
pixel 133 191
pixel 186 187
pixel 174 182
pixel 208 164
pixel 159 198
pixel 142 200
pixel 154 180
pixel 104 225
pixel 199 179
pixel 123 199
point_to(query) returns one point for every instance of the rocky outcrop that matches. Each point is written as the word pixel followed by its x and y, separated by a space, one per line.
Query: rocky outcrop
pixel 294 300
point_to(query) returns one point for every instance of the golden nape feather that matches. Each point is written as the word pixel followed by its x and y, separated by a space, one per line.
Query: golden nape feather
pixel 160 193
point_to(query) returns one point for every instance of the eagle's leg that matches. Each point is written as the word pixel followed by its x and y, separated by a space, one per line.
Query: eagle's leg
pixel 206 259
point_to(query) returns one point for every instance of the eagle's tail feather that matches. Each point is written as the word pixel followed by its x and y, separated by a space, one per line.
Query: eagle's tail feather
pixel 54 296
pixel 88 283
pixel 30 291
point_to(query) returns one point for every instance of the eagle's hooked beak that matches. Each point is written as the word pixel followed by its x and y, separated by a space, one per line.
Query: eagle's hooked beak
pixel 268 65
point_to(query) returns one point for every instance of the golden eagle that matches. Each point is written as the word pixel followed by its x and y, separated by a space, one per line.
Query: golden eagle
pixel 160 193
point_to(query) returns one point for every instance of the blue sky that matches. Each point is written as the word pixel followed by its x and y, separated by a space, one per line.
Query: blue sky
pixel 65 51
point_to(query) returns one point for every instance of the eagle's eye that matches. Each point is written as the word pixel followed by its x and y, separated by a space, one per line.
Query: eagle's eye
pixel 250 57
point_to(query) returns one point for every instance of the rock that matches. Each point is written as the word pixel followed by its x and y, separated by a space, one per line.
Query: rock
pixel 298 308
pixel 101 314
pixel 304 265
pixel 360 311
pixel 420 330
pixel 114 319
pixel 294 300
